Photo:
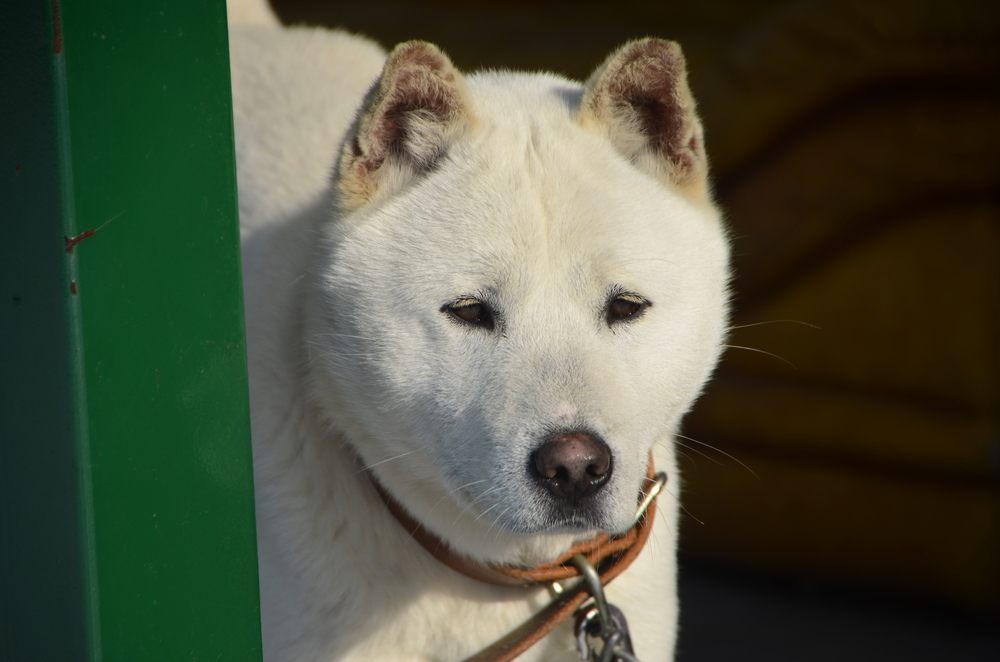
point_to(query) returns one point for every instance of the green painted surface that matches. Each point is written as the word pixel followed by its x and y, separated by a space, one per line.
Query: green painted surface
pixel 42 554
pixel 129 432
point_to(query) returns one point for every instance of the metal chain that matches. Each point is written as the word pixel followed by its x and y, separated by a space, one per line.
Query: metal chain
pixel 600 623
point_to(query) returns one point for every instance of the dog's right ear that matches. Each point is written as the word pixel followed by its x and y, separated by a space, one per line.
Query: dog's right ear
pixel 411 116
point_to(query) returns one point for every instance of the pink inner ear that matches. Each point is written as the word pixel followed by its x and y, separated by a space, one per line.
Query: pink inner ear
pixel 418 89
pixel 415 91
pixel 417 100
pixel 648 83
pixel 644 87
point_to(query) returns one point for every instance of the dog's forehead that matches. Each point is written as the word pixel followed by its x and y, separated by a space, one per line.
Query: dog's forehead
pixel 552 173
pixel 531 184
pixel 498 224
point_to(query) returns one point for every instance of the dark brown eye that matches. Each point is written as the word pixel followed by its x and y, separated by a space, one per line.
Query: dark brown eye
pixel 472 312
pixel 626 307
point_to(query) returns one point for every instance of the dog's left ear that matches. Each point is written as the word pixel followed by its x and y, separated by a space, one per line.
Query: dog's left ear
pixel 639 97
pixel 412 115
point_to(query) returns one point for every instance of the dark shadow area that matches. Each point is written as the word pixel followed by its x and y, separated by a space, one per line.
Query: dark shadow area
pixel 732 615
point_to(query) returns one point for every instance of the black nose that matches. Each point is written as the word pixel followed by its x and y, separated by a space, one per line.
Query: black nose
pixel 572 465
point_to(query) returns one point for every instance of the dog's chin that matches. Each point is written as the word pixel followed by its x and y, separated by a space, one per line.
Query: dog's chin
pixel 576 522
pixel 575 526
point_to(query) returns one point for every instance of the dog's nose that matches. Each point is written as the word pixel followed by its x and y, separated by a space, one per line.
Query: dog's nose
pixel 572 465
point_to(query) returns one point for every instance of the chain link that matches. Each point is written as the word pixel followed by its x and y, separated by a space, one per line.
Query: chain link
pixel 601 630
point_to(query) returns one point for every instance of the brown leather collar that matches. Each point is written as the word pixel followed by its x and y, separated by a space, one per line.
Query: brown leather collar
pixel 610 555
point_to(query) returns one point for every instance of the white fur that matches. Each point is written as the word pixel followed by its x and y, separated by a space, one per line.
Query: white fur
pixel 248 12
pixel 352 363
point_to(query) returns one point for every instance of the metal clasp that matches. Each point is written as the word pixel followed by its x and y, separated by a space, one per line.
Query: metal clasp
pixel 659 482
pixel 600 623
pixel 611 631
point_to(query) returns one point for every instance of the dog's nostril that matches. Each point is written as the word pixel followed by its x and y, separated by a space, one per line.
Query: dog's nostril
pixel 557 473
pixel 572 465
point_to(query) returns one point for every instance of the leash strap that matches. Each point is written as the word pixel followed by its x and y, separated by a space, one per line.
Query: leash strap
pixel 566 604
pixel 610 555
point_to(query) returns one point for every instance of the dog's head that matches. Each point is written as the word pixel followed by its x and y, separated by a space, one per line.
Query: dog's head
pixel 523 292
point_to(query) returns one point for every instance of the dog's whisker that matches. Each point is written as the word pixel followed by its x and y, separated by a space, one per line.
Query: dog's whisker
pixel 762 351
pixel 719 450
pixel 466 509
pixel 654 540
pixel 496 520
pixel 452 492
pixel 480 515
pixel 484 493
pixel 386 460
pixel 681 444
pixel 788 321
pixel 699 452
pixel 681 504
pixel 462 487
pixel 666 522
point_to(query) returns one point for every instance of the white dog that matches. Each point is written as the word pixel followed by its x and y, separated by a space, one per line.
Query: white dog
pixel 493 297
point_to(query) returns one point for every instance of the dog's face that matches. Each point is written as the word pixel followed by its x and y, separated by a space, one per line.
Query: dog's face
pixel 522 297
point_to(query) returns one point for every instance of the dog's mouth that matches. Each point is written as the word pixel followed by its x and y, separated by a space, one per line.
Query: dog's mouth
pixel 582 520
pixel 576 517
pixel 571 525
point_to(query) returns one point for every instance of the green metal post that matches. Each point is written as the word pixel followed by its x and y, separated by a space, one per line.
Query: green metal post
pixel 126 500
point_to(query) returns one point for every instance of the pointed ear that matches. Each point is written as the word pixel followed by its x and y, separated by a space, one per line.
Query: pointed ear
pixel 640 99
pixel 413 113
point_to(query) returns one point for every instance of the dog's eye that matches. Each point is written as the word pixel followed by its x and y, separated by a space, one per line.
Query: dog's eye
pixel 472 312
pixel 625 307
